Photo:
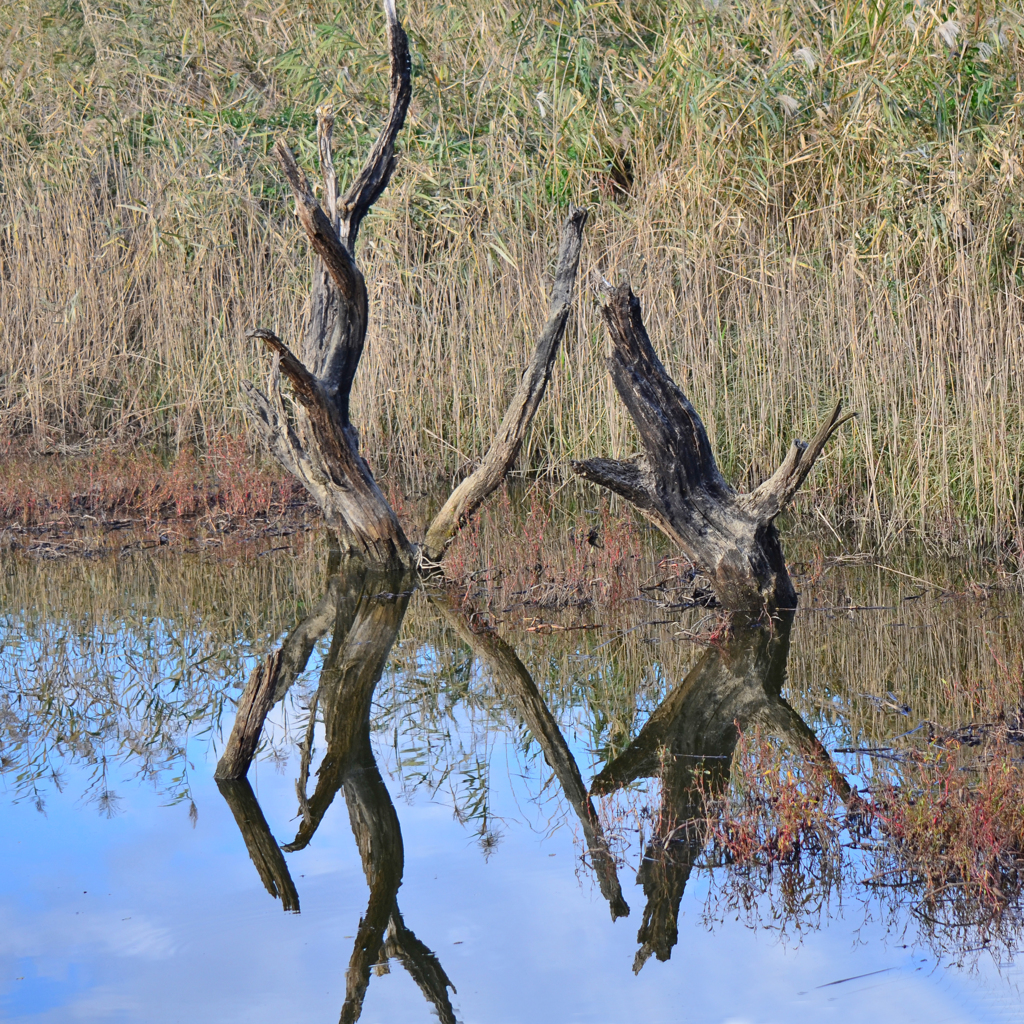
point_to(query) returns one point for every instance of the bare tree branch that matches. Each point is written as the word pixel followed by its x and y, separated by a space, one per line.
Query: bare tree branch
pixel 375 175
pixel 779 489
pixel 321 233
pixel 505 448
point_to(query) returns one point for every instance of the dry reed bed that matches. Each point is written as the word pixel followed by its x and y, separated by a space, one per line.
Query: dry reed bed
pixel 812 202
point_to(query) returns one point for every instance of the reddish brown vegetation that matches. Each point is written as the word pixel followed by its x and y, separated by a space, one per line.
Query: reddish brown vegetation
pixel 959 828
pixel 513 557
pixel 75 490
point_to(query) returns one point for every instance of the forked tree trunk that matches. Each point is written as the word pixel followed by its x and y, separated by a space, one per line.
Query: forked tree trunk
pixel 319 445
pixel 676 483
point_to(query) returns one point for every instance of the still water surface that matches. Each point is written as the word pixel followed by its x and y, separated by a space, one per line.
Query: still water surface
pixel 432 767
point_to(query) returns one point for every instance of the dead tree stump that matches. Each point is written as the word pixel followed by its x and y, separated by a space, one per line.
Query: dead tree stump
pixel 676 482
pixel 320 447
pixel 318 444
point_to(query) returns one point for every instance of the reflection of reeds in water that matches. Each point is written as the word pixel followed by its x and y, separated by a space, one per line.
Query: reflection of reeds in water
pixel 153 645
pixel 939 838
pixel 113 660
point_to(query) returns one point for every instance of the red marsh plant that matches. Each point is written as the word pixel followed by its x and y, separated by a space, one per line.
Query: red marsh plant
pixel 226 479
pixel 535 553
pixel 943 836
pixel 955 831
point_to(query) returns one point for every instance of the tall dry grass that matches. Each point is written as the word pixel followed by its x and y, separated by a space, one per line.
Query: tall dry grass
pixel 812 201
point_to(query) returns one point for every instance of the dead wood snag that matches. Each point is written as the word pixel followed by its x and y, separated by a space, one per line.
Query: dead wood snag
pixel 319 445
pixel 676 482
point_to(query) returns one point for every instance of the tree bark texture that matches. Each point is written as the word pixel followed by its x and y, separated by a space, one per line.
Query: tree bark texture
pixel 676 482
pixel 319 444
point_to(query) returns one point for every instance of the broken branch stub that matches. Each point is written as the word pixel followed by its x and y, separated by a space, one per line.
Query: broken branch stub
pixel 318 443
pixel 676 482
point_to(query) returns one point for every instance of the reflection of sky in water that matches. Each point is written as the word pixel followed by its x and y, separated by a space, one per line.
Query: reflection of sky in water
pixel 102 690
pixel 141 917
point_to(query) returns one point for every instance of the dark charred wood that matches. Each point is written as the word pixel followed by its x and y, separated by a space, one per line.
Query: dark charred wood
pixel 677 484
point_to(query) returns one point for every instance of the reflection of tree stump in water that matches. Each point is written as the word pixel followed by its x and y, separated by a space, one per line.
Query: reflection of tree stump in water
pixel 516 684
pixel 365 611
pixel 351 671
pixel 688 744
pixel 259 841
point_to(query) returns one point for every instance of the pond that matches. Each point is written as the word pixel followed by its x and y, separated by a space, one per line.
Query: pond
pixel 560 793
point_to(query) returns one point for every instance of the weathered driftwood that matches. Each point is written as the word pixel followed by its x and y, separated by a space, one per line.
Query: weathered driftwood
pixel 504 450
pixel 688 743
pixel 516 684
pixel 676 482
pixel 317 442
